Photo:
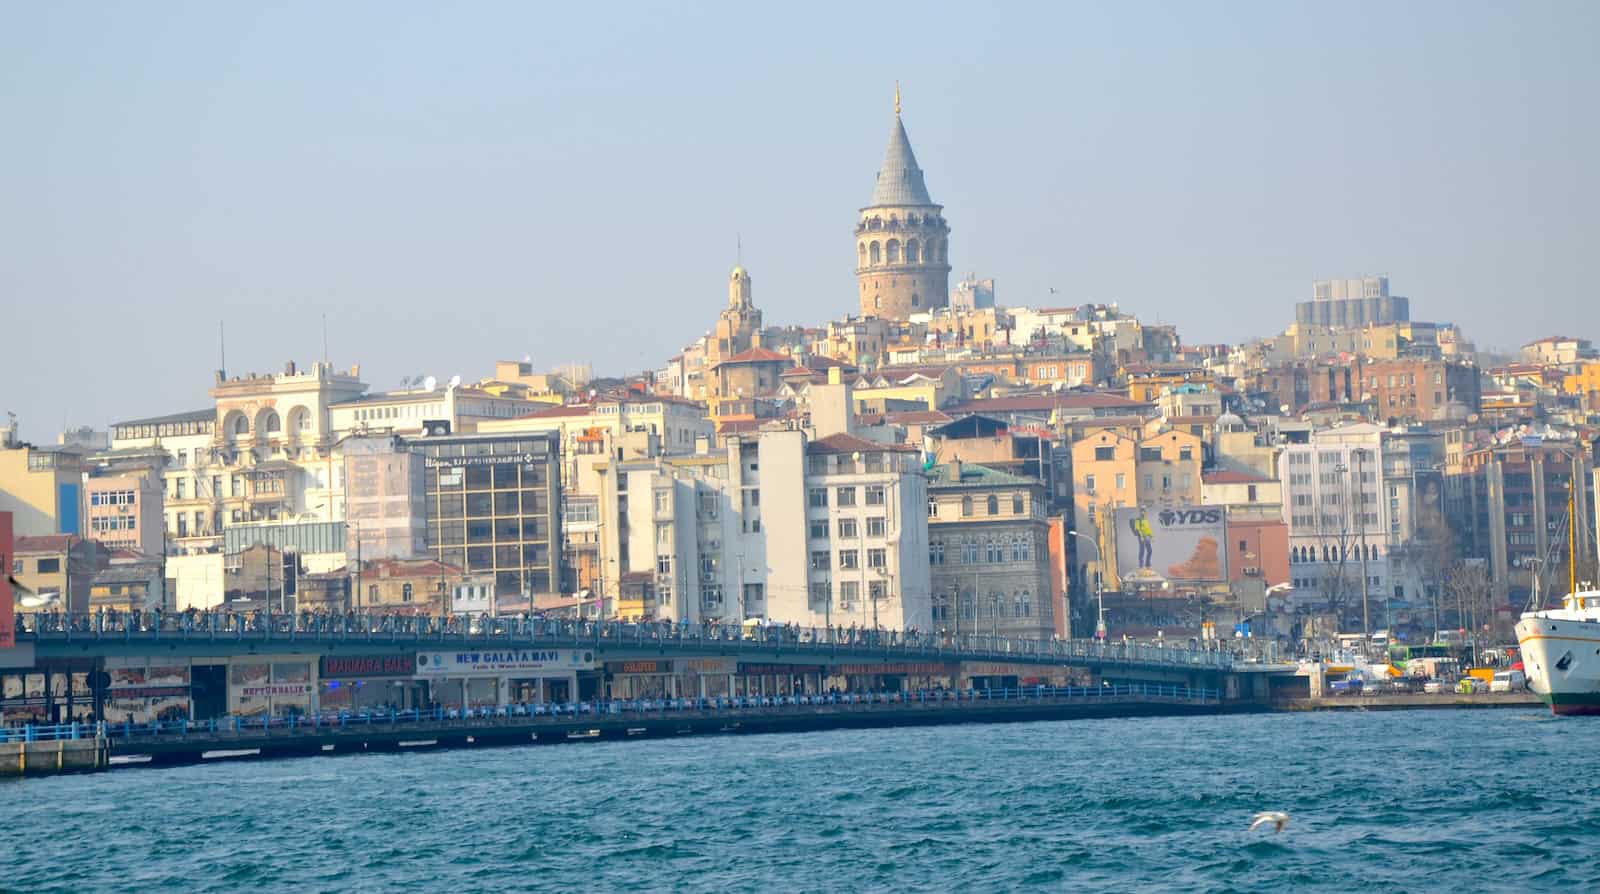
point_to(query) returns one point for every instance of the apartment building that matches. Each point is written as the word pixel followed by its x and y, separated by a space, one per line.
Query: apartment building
pixel 774 526
pixel 988 552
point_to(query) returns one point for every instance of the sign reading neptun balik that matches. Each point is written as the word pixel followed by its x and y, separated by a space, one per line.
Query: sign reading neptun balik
pixel 500 660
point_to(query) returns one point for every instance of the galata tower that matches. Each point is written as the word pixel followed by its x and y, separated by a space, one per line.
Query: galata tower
pixel 902 240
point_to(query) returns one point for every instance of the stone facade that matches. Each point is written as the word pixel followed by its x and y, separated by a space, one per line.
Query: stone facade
pixel 902 239
pixel 988 551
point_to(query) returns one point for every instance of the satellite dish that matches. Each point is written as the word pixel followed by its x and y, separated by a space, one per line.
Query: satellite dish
pixel 430 383
pixel 455 381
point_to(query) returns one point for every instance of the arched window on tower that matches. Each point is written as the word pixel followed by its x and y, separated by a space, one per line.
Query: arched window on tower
pixel 892 250
pixel 944 246
pixel 872 253
pixel 861 250
pixel 911 251
pixel 916 299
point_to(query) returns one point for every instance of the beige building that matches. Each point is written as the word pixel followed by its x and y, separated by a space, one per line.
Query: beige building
pixel 902 239
pixel 41 488
pixel 125 511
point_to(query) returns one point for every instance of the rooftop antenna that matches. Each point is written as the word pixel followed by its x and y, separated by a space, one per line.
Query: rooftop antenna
pixel 222 348
pixel 738 250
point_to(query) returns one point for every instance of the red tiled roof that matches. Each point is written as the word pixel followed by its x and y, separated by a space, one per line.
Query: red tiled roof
pixel 918 417
pixel 757 355
pixel 45 543
pixel 843 443
pixel 1072 400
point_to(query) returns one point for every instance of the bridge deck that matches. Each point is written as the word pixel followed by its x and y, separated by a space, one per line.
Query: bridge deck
pixel 80 635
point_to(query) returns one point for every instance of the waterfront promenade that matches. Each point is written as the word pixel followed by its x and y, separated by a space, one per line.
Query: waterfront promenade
pixel 178 742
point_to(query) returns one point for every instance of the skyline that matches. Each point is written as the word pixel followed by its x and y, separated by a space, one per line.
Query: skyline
pixel 262 168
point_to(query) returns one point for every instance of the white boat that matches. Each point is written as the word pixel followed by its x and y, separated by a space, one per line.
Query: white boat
pixel 1561 653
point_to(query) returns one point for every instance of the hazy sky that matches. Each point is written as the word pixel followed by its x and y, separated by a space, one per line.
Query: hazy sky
pixel 455 184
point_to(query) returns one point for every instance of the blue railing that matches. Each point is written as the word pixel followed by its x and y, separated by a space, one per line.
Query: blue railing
pixel 57 733
pixel 426 631
pixel 523 713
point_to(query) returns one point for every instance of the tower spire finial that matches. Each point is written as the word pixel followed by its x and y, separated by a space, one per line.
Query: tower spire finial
pixel 897 98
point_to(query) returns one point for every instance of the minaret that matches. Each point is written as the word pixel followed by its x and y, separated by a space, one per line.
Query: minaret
pixel 902 240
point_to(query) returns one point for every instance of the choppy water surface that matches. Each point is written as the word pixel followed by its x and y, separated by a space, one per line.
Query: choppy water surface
pixel 1405 801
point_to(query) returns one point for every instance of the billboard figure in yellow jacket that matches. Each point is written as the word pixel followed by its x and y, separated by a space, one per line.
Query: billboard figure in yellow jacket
pixel 1142 530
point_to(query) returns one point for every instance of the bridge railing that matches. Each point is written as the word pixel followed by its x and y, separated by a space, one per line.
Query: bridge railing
pixel 555 712
pixel 426 631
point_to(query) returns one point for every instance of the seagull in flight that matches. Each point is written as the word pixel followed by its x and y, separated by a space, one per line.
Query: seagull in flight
pixel 1275 818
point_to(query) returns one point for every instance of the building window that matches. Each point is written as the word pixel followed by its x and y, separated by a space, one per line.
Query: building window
pixel 405 593
pixel 875 526
pixel 1250 493
pixel 51 566
pixel 849 559
pixel 845 496
pixel 1088 483
pixel 847 529
pixel 817 497
pixel 936 552
pixel 875 495
pixel 1016 504
pixel 1122 480
pixel 993 505
pixel 819 560
pixel 876 558
pixel 819 528
pixel 848 591
pixel 663 564
pixel 966 506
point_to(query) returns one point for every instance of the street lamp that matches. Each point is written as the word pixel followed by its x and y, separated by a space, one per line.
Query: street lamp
pixel 1099 585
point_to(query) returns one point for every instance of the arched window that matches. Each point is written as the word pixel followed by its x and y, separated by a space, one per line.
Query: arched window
pixel 872 254
pixel 1016 504
pixel 915 299
pixel 241 426
pixel 994 505
pixel 862 251
pixel 911 251
pixel 892 251
pixel 299 420
pixel 272 424
pixel 944 246
pixel 1027 604
pixel 966 505
pixel 405 593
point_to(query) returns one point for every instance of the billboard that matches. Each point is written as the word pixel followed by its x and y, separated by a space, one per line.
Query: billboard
pixel 1183 544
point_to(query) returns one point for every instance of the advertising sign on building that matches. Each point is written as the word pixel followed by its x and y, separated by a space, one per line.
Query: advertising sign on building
pixel 504 660
pixel 1184 544
pixel 402 664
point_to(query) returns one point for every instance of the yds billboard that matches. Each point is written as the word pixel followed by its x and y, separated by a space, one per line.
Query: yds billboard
pixel 1183 543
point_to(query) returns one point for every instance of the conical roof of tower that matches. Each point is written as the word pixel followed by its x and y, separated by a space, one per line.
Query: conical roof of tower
pixel 899 180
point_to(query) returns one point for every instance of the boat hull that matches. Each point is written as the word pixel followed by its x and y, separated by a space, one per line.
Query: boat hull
pixel 1562 660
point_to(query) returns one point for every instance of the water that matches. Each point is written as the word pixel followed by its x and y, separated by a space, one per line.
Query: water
pixel 1402 801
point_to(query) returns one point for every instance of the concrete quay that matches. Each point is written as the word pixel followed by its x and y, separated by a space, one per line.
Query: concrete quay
pixel 50 757
pixel 1401 701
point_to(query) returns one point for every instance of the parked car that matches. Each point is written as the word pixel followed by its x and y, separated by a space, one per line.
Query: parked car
pixel 1347 686
pixel 1435 687
pixel 1508 681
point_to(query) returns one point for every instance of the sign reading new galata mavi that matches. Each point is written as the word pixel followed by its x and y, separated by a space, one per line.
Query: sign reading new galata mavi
pixel 499 660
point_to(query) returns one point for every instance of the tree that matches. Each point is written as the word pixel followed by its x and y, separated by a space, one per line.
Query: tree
pixel 1468 581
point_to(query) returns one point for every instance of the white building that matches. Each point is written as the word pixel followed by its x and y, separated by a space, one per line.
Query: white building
pixel 1332 502
pixel 775 527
